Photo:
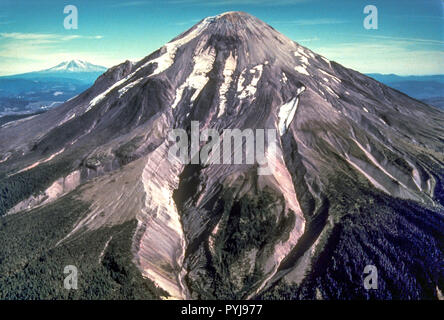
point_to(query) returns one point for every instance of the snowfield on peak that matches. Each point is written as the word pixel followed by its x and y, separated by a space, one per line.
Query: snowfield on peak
pixel 75 66
pixel 167 59
pixel 229 68
pixel 203 63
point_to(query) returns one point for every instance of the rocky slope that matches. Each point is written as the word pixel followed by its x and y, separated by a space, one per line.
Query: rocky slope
pixel 227 231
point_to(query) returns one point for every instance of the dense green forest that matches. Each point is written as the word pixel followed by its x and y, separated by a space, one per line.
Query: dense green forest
pixel 32 264
pixel 403 239
pixel 252 223
pixel 20 186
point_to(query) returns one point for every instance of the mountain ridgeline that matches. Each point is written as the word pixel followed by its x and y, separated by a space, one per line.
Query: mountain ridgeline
pixel 357 179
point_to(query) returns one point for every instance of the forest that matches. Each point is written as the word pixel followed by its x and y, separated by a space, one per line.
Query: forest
pixel 32 261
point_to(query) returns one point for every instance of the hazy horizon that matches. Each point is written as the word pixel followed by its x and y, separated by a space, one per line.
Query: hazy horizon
pixel 408 41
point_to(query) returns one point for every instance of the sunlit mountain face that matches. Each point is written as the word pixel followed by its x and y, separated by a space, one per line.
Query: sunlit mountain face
pixel 355 179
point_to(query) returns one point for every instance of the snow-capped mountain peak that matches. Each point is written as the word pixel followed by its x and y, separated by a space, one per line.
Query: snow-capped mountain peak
pixel 76 66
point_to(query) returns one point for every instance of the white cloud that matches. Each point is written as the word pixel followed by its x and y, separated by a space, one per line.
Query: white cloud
pixel 24 52
pixel 404 40
pixel 387 57
pixel 310 22
pixel 44 36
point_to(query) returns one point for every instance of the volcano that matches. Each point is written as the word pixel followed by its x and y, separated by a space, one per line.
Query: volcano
pixel 357 179
pixel 72 69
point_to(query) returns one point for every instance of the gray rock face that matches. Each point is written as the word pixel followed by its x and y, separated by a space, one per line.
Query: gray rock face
pixel 223 231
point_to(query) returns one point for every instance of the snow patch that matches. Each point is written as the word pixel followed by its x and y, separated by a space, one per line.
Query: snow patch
pixel 302 69
pixel 66 119
pixel 302 56
pixel 203 63
pixel 300 53
pixel 287 112
pixel 167 59
pixel 326 60
pixel 128 86
pixel 163 62
pixel 230 66
pixel 336 79
pixel 250 89
pixel 284 77
pixel 101 96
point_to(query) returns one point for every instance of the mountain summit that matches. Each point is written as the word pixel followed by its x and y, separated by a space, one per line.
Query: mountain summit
pixel 357 175
pixel 76 66
pixel 72 69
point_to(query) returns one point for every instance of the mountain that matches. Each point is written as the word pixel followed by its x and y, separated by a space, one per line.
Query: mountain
pixel 73 69
pixel 429 89
pixel 38 91
pixel 355 178
pixel 390 78
pixel 75 66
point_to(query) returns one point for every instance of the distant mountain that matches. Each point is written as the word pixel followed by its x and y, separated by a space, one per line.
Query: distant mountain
pixel 76 66
pixel 30 92
pixel 396 78
pixel 429 89
pixel 74 69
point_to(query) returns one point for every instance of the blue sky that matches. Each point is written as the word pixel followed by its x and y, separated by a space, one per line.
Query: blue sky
pixel 409 38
